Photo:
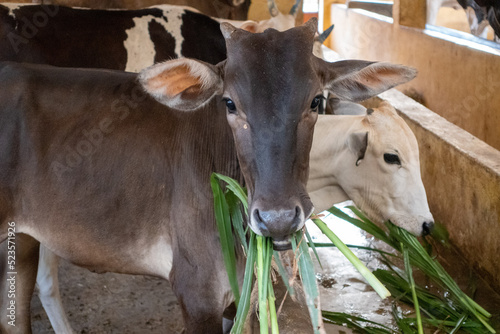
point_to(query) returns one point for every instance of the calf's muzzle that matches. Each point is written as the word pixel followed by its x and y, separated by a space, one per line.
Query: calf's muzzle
pixel 278 224
pixel 427 228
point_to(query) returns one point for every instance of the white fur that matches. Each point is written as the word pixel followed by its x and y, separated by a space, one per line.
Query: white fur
pixel 203 73
pixel 48 285
pixel 140 48
pixel 157 260
pixel 14 6
pixel 381 190
pixel 477 28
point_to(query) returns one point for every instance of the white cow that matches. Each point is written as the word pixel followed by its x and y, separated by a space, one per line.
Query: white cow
pixel 372 159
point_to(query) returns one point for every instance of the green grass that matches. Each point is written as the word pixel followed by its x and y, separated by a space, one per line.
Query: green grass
pixel 456 311
pixel 259 252
pixel 230 223
pixel 451 314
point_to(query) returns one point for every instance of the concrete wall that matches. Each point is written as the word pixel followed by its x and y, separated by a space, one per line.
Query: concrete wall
pixel 458 78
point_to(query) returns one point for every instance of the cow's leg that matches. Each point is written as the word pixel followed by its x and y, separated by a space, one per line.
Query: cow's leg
pixel 48 286
pixel 201 297
pixel 17 282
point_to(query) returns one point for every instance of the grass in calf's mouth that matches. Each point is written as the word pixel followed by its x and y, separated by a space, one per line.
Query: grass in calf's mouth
pixel 259 253
pixel 447 315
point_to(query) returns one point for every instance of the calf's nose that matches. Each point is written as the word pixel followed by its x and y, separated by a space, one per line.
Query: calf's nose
pixel 427 228
pixel 278 224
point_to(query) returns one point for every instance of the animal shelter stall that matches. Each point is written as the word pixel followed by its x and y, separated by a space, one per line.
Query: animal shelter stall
pixel 130 129
pixel 457 123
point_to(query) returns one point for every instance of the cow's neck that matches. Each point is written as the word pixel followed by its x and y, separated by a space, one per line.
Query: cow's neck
pixel 329 155
pixel 207 135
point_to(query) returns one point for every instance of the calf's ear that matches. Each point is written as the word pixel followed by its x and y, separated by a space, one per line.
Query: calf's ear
pixel 358 143
pixel 358 80
pixel 183 84
pixel 250 26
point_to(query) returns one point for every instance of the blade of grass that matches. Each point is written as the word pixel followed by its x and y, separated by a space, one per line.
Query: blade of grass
pixel 235 187
pixel 367 274
pixel 409 274
pixel 271 299
pixel 329 244
pixel 434 270
pixel 261 280
pixel 244 305
pixel 268 283
pixel 283 273
pixel 359 324
pixel 265 252
pixel 223 222
pixel 459 324
pixel 237 218
pixel 369 226
pixel 311 244
pixel 308 278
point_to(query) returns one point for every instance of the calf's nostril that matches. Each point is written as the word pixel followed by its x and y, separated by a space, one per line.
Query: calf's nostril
pixel 277 223
pixel 427 228
pixel 261 225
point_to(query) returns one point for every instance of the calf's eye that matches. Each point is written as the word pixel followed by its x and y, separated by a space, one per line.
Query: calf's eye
pixel 392 159
pixel 231 107
pixel 315 102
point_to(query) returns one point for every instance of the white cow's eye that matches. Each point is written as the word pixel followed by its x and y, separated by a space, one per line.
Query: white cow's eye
pixel 392 159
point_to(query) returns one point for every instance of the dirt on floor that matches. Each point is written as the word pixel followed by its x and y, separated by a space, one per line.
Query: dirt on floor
pixel 112 303
pixel 126 304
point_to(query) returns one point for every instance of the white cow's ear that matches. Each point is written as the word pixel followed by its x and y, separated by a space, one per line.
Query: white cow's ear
pixel 183 84
pixel 358 80
pixel 357 143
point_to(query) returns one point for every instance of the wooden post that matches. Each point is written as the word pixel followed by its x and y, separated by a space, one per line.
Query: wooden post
pixel 410 13
pixel 325 12
pixel 325 19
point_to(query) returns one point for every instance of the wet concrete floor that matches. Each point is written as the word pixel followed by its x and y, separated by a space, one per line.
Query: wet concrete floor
pixel 343 289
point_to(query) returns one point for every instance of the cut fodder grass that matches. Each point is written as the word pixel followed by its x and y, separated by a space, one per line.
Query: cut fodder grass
pixel 450 312
pixel 259 254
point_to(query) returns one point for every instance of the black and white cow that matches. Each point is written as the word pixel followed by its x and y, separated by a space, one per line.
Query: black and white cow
pixel 113 39
pixel 127 40
pixel 229 9
pixel 480 14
